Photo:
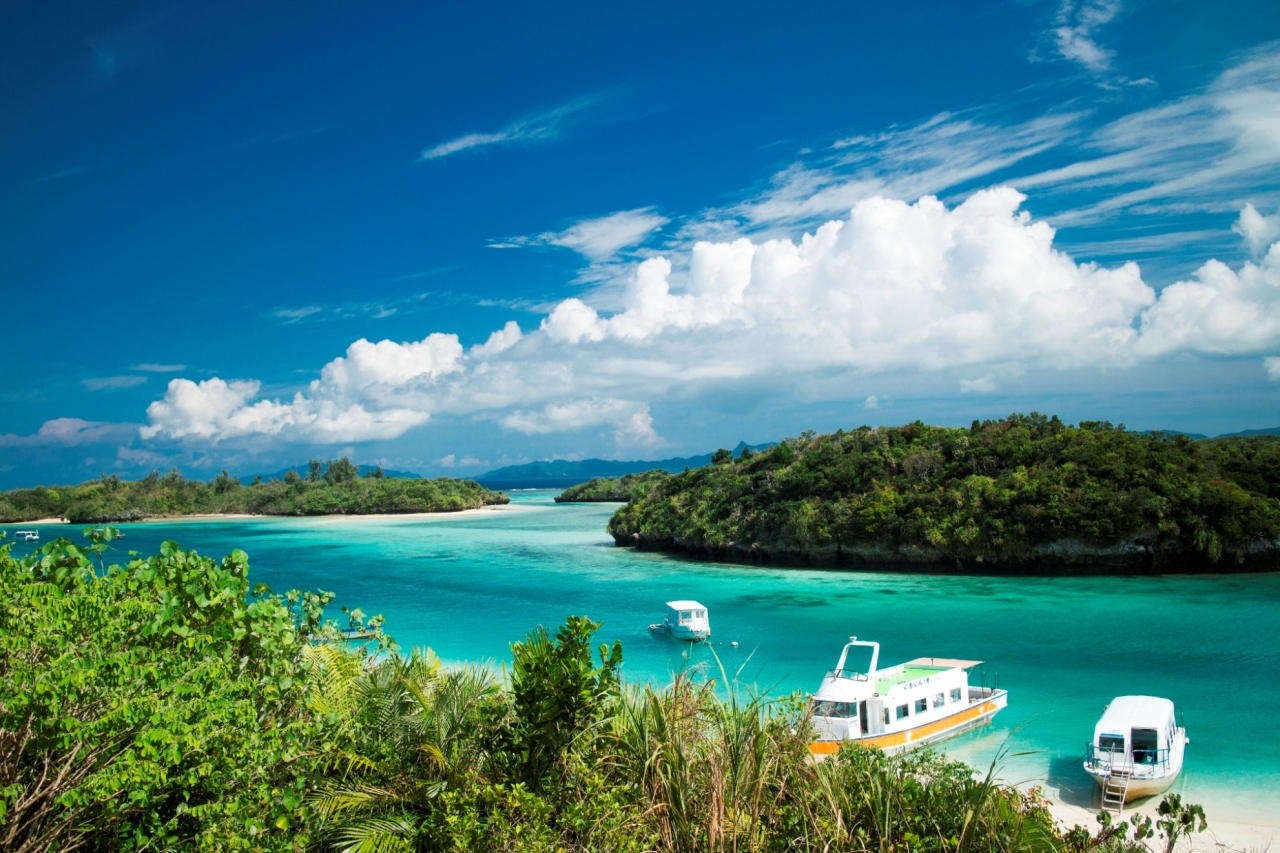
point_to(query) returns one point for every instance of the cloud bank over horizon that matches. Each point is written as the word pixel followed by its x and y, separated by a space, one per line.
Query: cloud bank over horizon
pixel 971 293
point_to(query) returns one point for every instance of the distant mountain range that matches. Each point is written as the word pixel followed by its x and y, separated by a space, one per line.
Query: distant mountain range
pixel 562 472
pixel 1199 436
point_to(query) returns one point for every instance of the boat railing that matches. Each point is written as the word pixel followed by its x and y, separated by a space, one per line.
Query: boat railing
pixel 847 675
pixel 1144 762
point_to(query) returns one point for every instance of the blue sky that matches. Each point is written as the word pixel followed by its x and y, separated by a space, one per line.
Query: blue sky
pixel 448 238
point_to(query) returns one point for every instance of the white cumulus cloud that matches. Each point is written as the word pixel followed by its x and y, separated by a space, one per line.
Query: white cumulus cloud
pixel 632 421
pixel 970 293
pixel 1258 231
pixel 1221 310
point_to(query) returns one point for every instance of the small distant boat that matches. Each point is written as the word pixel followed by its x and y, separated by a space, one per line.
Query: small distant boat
pixel 903 707
pixel 357 633
pixel 1136 751
pixel 26 536
pixel 686 620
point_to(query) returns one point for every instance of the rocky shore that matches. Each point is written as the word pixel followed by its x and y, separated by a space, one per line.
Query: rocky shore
pixel 1061 558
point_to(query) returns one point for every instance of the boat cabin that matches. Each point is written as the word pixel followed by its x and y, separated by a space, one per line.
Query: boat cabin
pixel 687 619
pixel 1136 734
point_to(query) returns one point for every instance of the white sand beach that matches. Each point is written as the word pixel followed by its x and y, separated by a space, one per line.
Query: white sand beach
pixel 1220 836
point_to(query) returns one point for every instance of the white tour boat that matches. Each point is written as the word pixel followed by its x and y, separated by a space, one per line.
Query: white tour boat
pixel 686 620
pixel 905 706
pixel 26 536
pixel 1137 749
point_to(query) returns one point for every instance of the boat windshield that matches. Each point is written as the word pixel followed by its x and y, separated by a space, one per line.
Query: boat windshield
pixel 1111 743
pixel 833 709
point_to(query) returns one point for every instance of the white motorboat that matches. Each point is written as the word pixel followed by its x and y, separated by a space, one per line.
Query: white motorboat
pixel 685 620
pixel 26 535
pixel 912 704
pixel 1137 749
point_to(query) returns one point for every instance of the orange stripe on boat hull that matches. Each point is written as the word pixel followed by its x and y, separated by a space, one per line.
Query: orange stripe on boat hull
pixel 937 730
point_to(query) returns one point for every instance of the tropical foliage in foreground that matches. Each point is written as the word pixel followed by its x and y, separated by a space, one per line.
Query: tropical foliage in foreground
pixel 613 488
pixel 333 489
pixel 163 705
pixel 1028 491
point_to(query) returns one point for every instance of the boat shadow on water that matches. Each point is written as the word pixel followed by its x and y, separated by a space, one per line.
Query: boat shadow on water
pixel 1075 787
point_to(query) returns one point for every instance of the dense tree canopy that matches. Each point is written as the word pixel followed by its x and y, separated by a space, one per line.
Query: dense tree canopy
pixel 333 490
pixel 1026 492
pixel 613 488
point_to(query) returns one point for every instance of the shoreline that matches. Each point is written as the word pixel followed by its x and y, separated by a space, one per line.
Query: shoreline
pixel 240 516
pixel 1054 560
pixel 1254 837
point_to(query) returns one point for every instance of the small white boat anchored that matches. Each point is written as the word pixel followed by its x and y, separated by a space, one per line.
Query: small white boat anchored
pixel 686 620
pixel 1136 751
pixel 26 536
pixel 903 707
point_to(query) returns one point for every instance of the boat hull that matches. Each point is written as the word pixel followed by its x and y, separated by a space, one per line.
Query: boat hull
pixel 1146 780
pixel 1140 788
pixel 974 716
pixel 679 633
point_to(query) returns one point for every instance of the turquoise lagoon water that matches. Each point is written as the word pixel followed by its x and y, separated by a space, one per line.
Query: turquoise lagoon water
pixel 468 585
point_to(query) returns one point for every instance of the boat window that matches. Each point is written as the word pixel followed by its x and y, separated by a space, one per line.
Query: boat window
pixel 939 700
pixel 1111 743
pixel 902 712
pixel 684 616
pixel 833 709
pixel 922 705
pixel 1145 746
pixel 955 694
pixel 886 716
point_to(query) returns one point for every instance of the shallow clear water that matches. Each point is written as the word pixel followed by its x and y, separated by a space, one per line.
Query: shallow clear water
pixel 468 585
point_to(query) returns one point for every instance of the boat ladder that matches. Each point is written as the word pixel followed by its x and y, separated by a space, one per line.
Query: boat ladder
pixel 1115 791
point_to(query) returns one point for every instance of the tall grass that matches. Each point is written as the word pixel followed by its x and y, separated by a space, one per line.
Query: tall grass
pixel 701 765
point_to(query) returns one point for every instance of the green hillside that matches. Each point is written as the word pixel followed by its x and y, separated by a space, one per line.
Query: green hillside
pixel 1027 493
pixel 613 488
pixel 332 489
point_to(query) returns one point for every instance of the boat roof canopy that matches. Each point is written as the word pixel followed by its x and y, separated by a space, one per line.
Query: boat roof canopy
pixel 943 663
pixel 685 605
pixel 1134 712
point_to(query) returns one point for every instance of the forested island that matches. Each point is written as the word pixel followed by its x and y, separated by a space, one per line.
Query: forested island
pixel 1026 494
pixel 610 489
pixel 170 704
pixel 333 488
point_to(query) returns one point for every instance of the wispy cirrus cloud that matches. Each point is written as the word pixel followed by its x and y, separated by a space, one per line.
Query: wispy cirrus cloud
pixel 1075 32
pixel 539 127
pixel 1207 151
pixel 1210 151
pixel 71 432
pixel 596 239
pixel 152 367
pixel 112 383
pixel 346 310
